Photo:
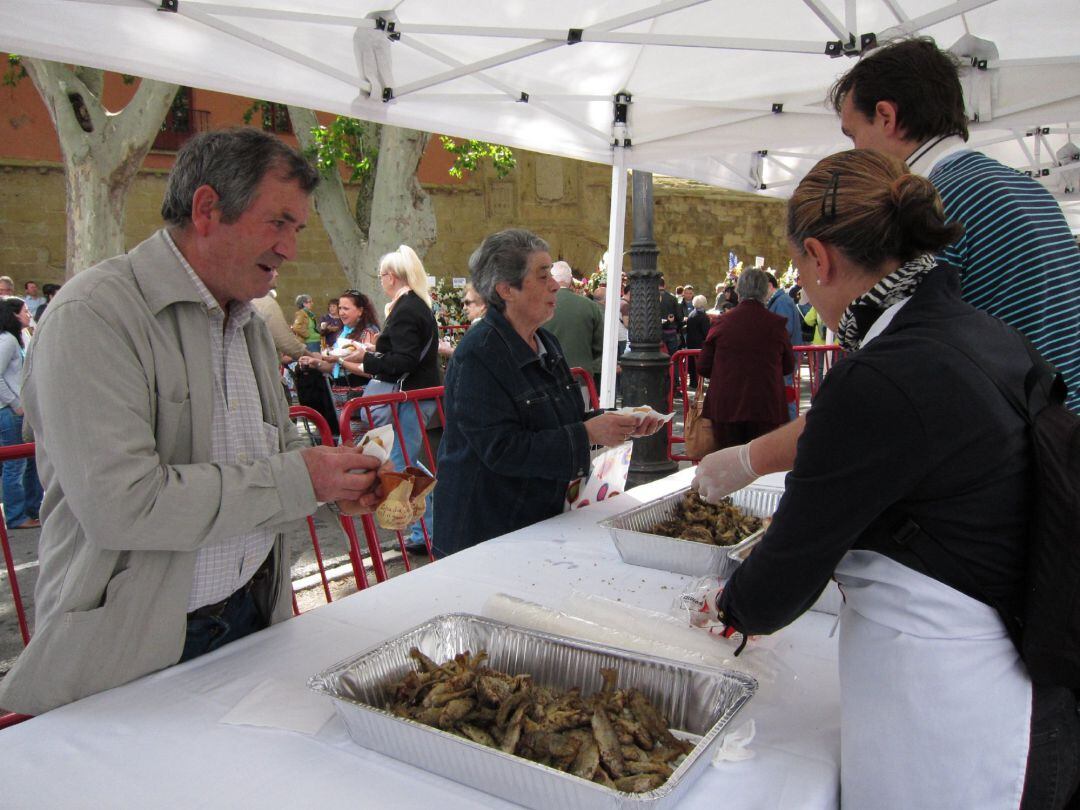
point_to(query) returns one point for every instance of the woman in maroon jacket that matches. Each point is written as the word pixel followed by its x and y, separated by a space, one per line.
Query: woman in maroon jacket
pixel 745 358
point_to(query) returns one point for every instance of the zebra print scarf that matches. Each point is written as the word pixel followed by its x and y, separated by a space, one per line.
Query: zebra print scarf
pixel 867 308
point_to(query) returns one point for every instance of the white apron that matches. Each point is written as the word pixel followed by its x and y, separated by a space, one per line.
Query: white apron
pixel 935 701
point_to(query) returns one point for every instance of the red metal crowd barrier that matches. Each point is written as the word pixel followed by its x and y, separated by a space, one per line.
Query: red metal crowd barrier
pixel 15 452
pixel 587 380
pixel 819 359
pixel 13 719
pixel 313 417
pixel 359 410
pixel 678 372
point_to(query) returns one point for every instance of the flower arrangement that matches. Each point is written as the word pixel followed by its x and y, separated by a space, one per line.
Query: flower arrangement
pixel 449 310
pixel 733 273
pixel 789 278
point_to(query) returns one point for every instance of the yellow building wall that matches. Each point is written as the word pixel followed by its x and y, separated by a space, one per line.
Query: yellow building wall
pixel 564 201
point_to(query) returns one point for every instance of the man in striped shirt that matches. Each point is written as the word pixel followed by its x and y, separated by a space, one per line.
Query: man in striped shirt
pixel 1017 258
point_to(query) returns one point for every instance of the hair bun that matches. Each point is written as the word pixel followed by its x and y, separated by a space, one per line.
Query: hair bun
pixel 911 189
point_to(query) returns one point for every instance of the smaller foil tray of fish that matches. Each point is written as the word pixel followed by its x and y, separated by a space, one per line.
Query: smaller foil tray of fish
pixel 698 702
pixel 638 546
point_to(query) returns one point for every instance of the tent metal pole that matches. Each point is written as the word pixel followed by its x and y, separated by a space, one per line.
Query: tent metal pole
pixel 209 20
pixel 510 92
pixel 944 13
pixel 715 43
pixel 536 47
pixel 613 299
pixel 1034 103
pixel 554 34
pixel 897 11
pixel 284 15
pixel 475 67
pixel 828 19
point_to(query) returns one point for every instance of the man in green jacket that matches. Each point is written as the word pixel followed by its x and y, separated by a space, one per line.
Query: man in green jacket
pixel 578 324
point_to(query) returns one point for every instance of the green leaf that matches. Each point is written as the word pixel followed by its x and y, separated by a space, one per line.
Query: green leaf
pixel 15 72
pixel 343 142
pixel 469 154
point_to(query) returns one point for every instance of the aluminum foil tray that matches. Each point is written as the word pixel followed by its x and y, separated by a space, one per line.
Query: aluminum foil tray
pixel 637 546
pixel 698 701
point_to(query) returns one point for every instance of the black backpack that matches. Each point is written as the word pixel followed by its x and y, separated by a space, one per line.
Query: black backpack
pixel 1046 626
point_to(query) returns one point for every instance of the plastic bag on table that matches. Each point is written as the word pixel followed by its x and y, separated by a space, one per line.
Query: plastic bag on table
pixel 697 603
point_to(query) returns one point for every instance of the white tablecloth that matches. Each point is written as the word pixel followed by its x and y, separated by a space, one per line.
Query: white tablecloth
pixel 167 741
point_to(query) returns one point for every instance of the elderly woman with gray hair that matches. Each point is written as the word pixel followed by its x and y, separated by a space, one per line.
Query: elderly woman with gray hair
pixel 306 325
pixel 745 358
pixel 516 430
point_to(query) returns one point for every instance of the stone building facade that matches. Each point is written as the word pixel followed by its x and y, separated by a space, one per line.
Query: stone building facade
pixel 564 201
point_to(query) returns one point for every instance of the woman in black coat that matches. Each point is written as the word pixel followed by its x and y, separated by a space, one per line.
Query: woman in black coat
pixel 697 327
pixel 405 357
pixel 910 448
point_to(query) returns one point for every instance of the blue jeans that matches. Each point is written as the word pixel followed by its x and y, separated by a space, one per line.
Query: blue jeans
pixel 22 490
pixel 240 618
pixel 413 438
pixel 789 379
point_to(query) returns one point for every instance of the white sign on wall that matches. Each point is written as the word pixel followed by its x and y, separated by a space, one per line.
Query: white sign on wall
pixel 759 261
pixel 459 283
pixel 432 282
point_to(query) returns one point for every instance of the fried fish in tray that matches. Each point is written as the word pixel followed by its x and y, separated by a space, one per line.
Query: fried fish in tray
pixel 615 737
pixel 721 524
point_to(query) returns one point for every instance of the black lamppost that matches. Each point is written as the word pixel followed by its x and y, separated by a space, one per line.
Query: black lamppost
pixel 645 367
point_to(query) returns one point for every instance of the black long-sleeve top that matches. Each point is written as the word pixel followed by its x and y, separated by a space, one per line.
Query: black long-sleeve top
pixel 905 427
pixel 407 344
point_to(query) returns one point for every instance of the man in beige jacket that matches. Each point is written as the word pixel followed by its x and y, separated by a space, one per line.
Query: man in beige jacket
pixel 164 443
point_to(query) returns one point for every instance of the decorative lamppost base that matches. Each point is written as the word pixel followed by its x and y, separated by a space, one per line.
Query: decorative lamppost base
pixel 645 367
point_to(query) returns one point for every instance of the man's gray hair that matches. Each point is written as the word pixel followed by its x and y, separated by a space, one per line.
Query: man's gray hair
pixel 503 257
pixel 232 162
pixel 302 300
pixel 561 272
pixel 753 284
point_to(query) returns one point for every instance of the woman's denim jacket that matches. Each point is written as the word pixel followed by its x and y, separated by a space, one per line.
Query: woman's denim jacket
pixel 515 435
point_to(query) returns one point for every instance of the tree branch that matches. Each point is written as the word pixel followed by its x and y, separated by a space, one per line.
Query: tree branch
pixel 335 212
pixel 53 82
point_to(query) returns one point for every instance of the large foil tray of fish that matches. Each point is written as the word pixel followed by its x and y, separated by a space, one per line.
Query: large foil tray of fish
pixel 699 702
pixel 638 546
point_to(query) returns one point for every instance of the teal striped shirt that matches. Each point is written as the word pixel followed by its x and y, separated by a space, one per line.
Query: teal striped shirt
pixel 1017 258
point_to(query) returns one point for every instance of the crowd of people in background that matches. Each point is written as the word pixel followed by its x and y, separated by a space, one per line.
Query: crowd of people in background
pixel 18 316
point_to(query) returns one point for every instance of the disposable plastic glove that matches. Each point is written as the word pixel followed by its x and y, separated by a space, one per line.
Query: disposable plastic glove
pixel 723 472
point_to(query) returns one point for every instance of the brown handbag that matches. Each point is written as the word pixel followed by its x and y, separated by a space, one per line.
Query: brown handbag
pixel 697 432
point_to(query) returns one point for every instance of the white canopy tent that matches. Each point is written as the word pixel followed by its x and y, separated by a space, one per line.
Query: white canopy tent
pixel 726 93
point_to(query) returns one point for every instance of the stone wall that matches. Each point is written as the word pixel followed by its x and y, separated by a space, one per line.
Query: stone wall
pixel 564 201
